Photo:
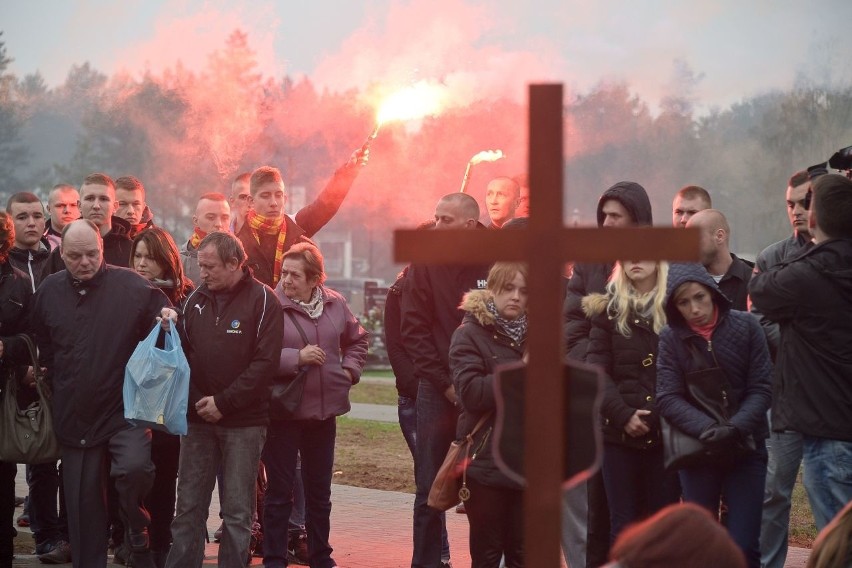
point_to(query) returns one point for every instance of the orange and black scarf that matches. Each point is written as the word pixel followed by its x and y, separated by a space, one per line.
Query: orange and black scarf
pixel 269 226
pixel 196 238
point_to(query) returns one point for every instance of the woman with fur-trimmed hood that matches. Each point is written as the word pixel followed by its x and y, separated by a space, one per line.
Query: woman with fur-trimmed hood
pixel 493 332
pixel 626 321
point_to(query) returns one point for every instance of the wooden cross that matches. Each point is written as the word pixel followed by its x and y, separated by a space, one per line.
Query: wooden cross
pixel 546 245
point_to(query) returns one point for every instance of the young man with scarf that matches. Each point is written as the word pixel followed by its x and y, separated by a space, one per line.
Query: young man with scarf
pixel 211 214
pixel 267 232
pixel 131 206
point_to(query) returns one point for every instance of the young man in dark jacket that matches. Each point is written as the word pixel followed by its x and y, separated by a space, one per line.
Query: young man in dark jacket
pixel 585 536
pixel 87 321
pixel 29 254
pixel 232 328
pixel 810 297
pixel 430 314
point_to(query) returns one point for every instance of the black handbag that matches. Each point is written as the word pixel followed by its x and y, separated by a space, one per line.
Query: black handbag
pixel 709 390
pixel 287 391
pixel 27 435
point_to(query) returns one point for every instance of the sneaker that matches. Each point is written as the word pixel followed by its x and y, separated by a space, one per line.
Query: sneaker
pixel 217 536
pixel 297 548
pixel 23 520
pixel 59 554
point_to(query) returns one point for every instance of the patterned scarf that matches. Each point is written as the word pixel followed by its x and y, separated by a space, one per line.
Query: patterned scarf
pixel 516 329
pixel 313 307
pixel 197 236
pixel 270 226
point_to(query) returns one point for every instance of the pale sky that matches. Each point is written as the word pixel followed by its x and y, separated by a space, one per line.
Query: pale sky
pixel 737 48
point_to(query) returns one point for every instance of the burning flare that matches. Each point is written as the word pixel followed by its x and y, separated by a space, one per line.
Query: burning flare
pixel 411 103
pixel 484 156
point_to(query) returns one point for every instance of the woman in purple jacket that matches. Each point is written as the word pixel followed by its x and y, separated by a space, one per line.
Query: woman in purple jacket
pixel 333 356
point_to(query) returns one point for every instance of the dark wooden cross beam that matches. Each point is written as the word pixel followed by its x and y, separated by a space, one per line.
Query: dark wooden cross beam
pixel 546 245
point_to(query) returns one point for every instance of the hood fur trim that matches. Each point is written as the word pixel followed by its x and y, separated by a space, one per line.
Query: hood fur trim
pixel 594 304
pixel 475 303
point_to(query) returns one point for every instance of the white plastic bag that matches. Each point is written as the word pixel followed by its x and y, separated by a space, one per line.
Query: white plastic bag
pixel 156 384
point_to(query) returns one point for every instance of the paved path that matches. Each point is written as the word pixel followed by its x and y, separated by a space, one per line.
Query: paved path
pixel 369 528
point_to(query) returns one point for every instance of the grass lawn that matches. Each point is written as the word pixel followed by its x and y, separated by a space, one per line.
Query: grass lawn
pixel 374 455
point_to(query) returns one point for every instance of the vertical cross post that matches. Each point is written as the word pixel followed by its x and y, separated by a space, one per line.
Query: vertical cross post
pixel 543 430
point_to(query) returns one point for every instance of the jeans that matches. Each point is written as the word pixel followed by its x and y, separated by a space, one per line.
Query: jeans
pixel 407 411
pixel 204 448
pixel 742 483
pixel 496 518
pixel 637 485
pixel 436 429
pixel 297 515
pixel 828 476
pixel 47 525
pixel 785 457
pixel 313 440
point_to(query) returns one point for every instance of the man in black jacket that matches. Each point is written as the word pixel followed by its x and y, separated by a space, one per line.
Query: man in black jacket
pixel 730 272
pixel 29 254
pixel 88 319
pixel 232 330
pixel 784 447
pixel 585 536
pixel 810 297
pixel 430 314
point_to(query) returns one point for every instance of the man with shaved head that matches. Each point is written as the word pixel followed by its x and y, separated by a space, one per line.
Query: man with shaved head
pixel 430 298
pixel 87 320
pixel 730 272
pixel 502 197
pixel 211 214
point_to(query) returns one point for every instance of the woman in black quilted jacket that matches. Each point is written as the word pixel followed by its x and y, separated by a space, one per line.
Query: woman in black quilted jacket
pixel 623 340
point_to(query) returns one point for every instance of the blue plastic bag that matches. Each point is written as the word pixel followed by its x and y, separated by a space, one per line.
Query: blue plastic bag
pixel 156 384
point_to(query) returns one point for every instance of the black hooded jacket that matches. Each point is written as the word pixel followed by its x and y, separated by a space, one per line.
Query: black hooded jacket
pixel 31 262
pixel 591 278
pixel 810 297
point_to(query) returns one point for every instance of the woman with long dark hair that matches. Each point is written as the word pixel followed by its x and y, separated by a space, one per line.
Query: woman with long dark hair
pixel 154 255
pixel 626 322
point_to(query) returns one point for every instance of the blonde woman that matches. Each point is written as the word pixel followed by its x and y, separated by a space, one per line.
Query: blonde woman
pixel 626 321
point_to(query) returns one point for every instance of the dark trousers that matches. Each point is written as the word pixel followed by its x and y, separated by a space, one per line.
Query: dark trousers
pixel 496 526
pixel 165 454
pixel 48 524
pixel 436 429
pixel 597 542
pixel 637 485
pixel 126 458
pixel 7 512
pixel 313 440
pixel 742 483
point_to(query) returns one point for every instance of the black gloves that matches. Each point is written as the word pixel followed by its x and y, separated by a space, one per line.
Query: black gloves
pixel 719 434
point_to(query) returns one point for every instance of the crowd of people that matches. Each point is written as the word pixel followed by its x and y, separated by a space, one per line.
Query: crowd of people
pixel 91 275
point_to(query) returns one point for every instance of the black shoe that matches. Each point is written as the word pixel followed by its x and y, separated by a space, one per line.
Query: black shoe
pixel 217 536
pixel 160 556
pixel 59 554
pixel 297 548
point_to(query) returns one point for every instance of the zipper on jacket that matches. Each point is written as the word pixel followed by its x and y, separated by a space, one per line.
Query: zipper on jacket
pixel 30 269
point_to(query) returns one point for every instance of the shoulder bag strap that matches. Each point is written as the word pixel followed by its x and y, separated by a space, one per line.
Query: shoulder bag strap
pixel 298 326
